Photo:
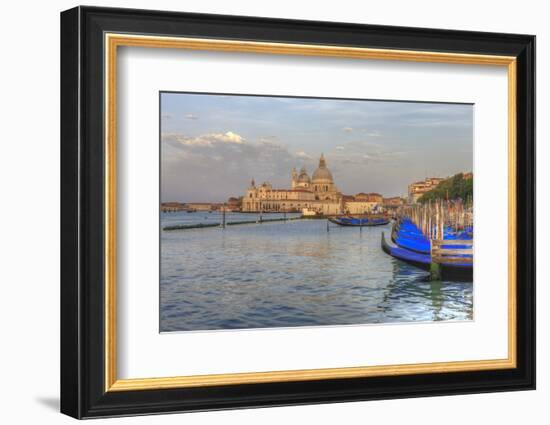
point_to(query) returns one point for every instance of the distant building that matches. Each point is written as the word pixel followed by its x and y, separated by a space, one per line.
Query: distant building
pixel 360 197
pixel 233 204
pixel 396 201
pixel 417 189
pixel 172 207
pixel 370 197
pixel 363 203
pixel 318 193
pixel 202 206
pixel 360 207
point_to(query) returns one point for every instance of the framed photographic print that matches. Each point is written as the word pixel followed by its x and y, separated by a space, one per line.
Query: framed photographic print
pixel 261 212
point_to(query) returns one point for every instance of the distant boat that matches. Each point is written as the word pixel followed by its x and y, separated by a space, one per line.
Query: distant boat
pixel 360 221
pixel 306 212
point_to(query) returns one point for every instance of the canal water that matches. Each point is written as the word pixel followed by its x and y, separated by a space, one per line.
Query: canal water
pixel 292 273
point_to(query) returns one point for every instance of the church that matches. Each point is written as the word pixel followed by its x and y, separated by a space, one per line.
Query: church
pixel 318 194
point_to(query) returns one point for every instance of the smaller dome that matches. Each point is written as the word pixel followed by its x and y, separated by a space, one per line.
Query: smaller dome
pixel 303 177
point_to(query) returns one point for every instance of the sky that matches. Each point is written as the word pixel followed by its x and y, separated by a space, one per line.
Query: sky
pixel 213 145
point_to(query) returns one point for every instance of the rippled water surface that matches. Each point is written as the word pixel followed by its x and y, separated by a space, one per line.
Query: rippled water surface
pixel 292 273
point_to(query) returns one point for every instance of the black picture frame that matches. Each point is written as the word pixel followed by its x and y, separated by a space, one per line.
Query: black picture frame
pixel 83 392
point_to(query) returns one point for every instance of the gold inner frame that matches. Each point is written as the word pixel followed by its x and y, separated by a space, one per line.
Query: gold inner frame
pixel 113 41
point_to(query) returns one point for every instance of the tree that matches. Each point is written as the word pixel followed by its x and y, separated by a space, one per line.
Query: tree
pixel 455 187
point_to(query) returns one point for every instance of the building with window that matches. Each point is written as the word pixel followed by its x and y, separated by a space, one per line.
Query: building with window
pixel 316 193
pixel 417 189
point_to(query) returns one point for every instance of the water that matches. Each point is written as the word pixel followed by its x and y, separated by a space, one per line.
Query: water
pixel 292 273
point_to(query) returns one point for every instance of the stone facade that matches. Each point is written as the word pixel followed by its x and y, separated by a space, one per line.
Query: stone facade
pixel 417 189
pixel 318 193
pixel 361 207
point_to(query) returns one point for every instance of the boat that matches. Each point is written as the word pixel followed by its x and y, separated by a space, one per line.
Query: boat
pixel 406 235
pixel 454 268
pixel 306 212
pixel 360 221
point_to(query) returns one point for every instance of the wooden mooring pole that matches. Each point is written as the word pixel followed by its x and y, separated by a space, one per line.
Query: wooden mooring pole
pixel 431 218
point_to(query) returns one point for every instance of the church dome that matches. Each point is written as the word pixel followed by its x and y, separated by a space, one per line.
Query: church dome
pixel 303 177
pixel 322 174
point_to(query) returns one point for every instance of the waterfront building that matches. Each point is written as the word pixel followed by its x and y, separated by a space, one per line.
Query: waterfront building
pixel 233 204
pixel 202 206
pixel 172 207
pixel 361 207
pixel 393 202
pixel 369 197
pixel 364 203
pixel 317 193
pixel 417 189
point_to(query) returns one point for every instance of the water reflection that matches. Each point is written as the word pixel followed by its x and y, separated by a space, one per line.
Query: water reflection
pixel 293 273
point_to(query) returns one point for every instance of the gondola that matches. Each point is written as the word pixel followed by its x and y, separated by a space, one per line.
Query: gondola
pixel 406 235
pixel 449 271
pixel 346 220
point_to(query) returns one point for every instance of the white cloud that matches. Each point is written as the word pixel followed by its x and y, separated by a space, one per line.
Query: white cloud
pixel 191 116
pixel 209 139
pixel 348 129
pixel 340 148
pixel 303 155
pixel 214 166
pixel 228 137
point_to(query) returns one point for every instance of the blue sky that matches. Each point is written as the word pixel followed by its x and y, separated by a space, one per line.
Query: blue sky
pixel 213 145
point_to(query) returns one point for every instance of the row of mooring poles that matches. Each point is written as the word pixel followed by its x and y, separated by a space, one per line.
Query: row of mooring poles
pixel 432 217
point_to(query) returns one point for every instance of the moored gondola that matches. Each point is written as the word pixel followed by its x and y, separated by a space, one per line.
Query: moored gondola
pixel 360 221
pixel 406 235
pixel 460 269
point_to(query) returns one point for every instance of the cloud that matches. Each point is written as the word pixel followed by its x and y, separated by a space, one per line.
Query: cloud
pixel 229 137
pixel 303 155
pixel 370 146
pixel 374 133
pixel 213 166
pixel 267 139
pixel 167 116
pixel 209 139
